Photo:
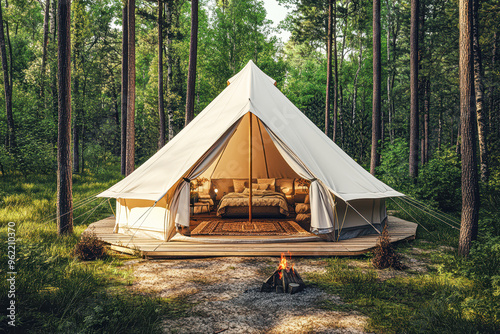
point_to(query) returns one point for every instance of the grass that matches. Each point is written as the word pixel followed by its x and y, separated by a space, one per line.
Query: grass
pixel 55 293
pixel 411 302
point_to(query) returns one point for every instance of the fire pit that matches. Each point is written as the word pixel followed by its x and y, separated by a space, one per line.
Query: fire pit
pixel 285 279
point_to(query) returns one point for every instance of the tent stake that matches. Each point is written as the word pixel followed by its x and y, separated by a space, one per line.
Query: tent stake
pixel 250 169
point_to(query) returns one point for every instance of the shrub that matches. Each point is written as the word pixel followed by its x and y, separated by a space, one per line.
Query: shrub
pixel 439 181
pixel 384 255
pixel 90 247
pixel 393 168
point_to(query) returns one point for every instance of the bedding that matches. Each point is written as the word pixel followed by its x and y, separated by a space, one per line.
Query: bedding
pixel 260 199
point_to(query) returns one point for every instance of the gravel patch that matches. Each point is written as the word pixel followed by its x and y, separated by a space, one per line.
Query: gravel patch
pixel 226 297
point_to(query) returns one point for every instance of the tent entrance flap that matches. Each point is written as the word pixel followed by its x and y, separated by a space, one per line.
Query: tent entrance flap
pixel 322 203
pixel 179 206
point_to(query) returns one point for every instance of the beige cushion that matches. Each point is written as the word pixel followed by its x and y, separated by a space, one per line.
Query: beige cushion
pixel 239 185
pixel 303 218
pixel 263 186
pixel 270 182
pixel 302 208
pixel 285 186
pixel 300 189
pixel 255 186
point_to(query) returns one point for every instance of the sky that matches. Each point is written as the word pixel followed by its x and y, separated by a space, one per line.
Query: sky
pixel 277 13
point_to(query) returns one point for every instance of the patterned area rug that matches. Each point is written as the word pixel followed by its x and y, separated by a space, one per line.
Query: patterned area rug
pixel 219 227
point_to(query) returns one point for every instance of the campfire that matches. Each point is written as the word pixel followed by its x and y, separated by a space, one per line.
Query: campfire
pixel 285 279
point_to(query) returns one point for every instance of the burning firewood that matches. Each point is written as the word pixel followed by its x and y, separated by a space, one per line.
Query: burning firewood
pixel 285 279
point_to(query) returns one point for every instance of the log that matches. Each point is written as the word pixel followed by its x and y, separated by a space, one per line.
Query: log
pixel 288 278
pixel 293 288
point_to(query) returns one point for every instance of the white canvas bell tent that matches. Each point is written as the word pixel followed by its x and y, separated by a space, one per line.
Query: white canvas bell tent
pixel 345 199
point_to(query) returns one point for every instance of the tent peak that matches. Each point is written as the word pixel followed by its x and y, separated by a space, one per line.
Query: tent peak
pixel 250 72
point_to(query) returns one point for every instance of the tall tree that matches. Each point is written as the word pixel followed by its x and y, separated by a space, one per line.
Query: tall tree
pixel 479 91
pixel 355 84
pixel 336 73
pixel 329 65
pixel 389 68
pixel 64 170
pixel 124 98
pixel 130 149
pixel 44 46
pixel 193 55
pixel 377 84
pixel 161 109
pixel 78 9
pixel 7 83
pixel 170 111
pixel 491 106
pixel 414 89
pixel 425 137
pixel 470 188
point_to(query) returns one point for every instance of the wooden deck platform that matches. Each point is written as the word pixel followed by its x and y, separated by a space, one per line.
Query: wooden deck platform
pixel 179 247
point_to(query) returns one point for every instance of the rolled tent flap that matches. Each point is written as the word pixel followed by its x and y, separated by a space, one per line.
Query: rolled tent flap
pixel 322 209
pixel 180 204
pixel 322 205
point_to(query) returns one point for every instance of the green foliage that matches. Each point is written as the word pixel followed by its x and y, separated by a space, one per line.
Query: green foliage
pixel 393 169
pixel 439 181
pixel 414 303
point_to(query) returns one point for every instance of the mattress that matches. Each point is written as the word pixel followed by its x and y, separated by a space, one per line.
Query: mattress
pixel 264 202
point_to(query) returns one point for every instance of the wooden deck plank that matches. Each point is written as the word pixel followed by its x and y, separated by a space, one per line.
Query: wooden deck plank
pixel 153 248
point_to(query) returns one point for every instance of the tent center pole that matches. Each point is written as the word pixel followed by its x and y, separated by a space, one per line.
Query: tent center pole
pixel 250 169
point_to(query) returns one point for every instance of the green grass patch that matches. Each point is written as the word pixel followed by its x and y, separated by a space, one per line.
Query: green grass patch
pixel 55 293
pixel 437 302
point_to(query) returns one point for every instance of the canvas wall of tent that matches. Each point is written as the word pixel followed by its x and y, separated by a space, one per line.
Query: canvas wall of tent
pixel 251 131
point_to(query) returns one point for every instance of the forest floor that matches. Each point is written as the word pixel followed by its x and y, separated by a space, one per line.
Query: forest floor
pixel 439 292
pixel 225 296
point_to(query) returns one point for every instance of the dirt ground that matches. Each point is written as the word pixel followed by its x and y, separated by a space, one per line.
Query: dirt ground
pixel 226 298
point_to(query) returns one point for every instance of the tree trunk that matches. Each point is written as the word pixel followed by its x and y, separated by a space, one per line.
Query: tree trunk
pixel 355 85
pixel 492 125
pixel 479 89
pixel 341 120
pixel 64 181
pixel 130 149
pixel 427 101
pixel 341 95
pixel 413 163
pixel 114 92
pixel 440 124
pixel 161 109
pixel 53 47
pixel 328 66
pixel 389 71
pixel 124 90
pixel 44 47
pixel 377 84
pixel 10 140
pixel 193 49
pixel 169 71
pixel 76 137
pixel 336 74
pixel 470 188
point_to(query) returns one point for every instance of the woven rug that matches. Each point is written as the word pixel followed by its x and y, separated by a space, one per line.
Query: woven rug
pixel 218 227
